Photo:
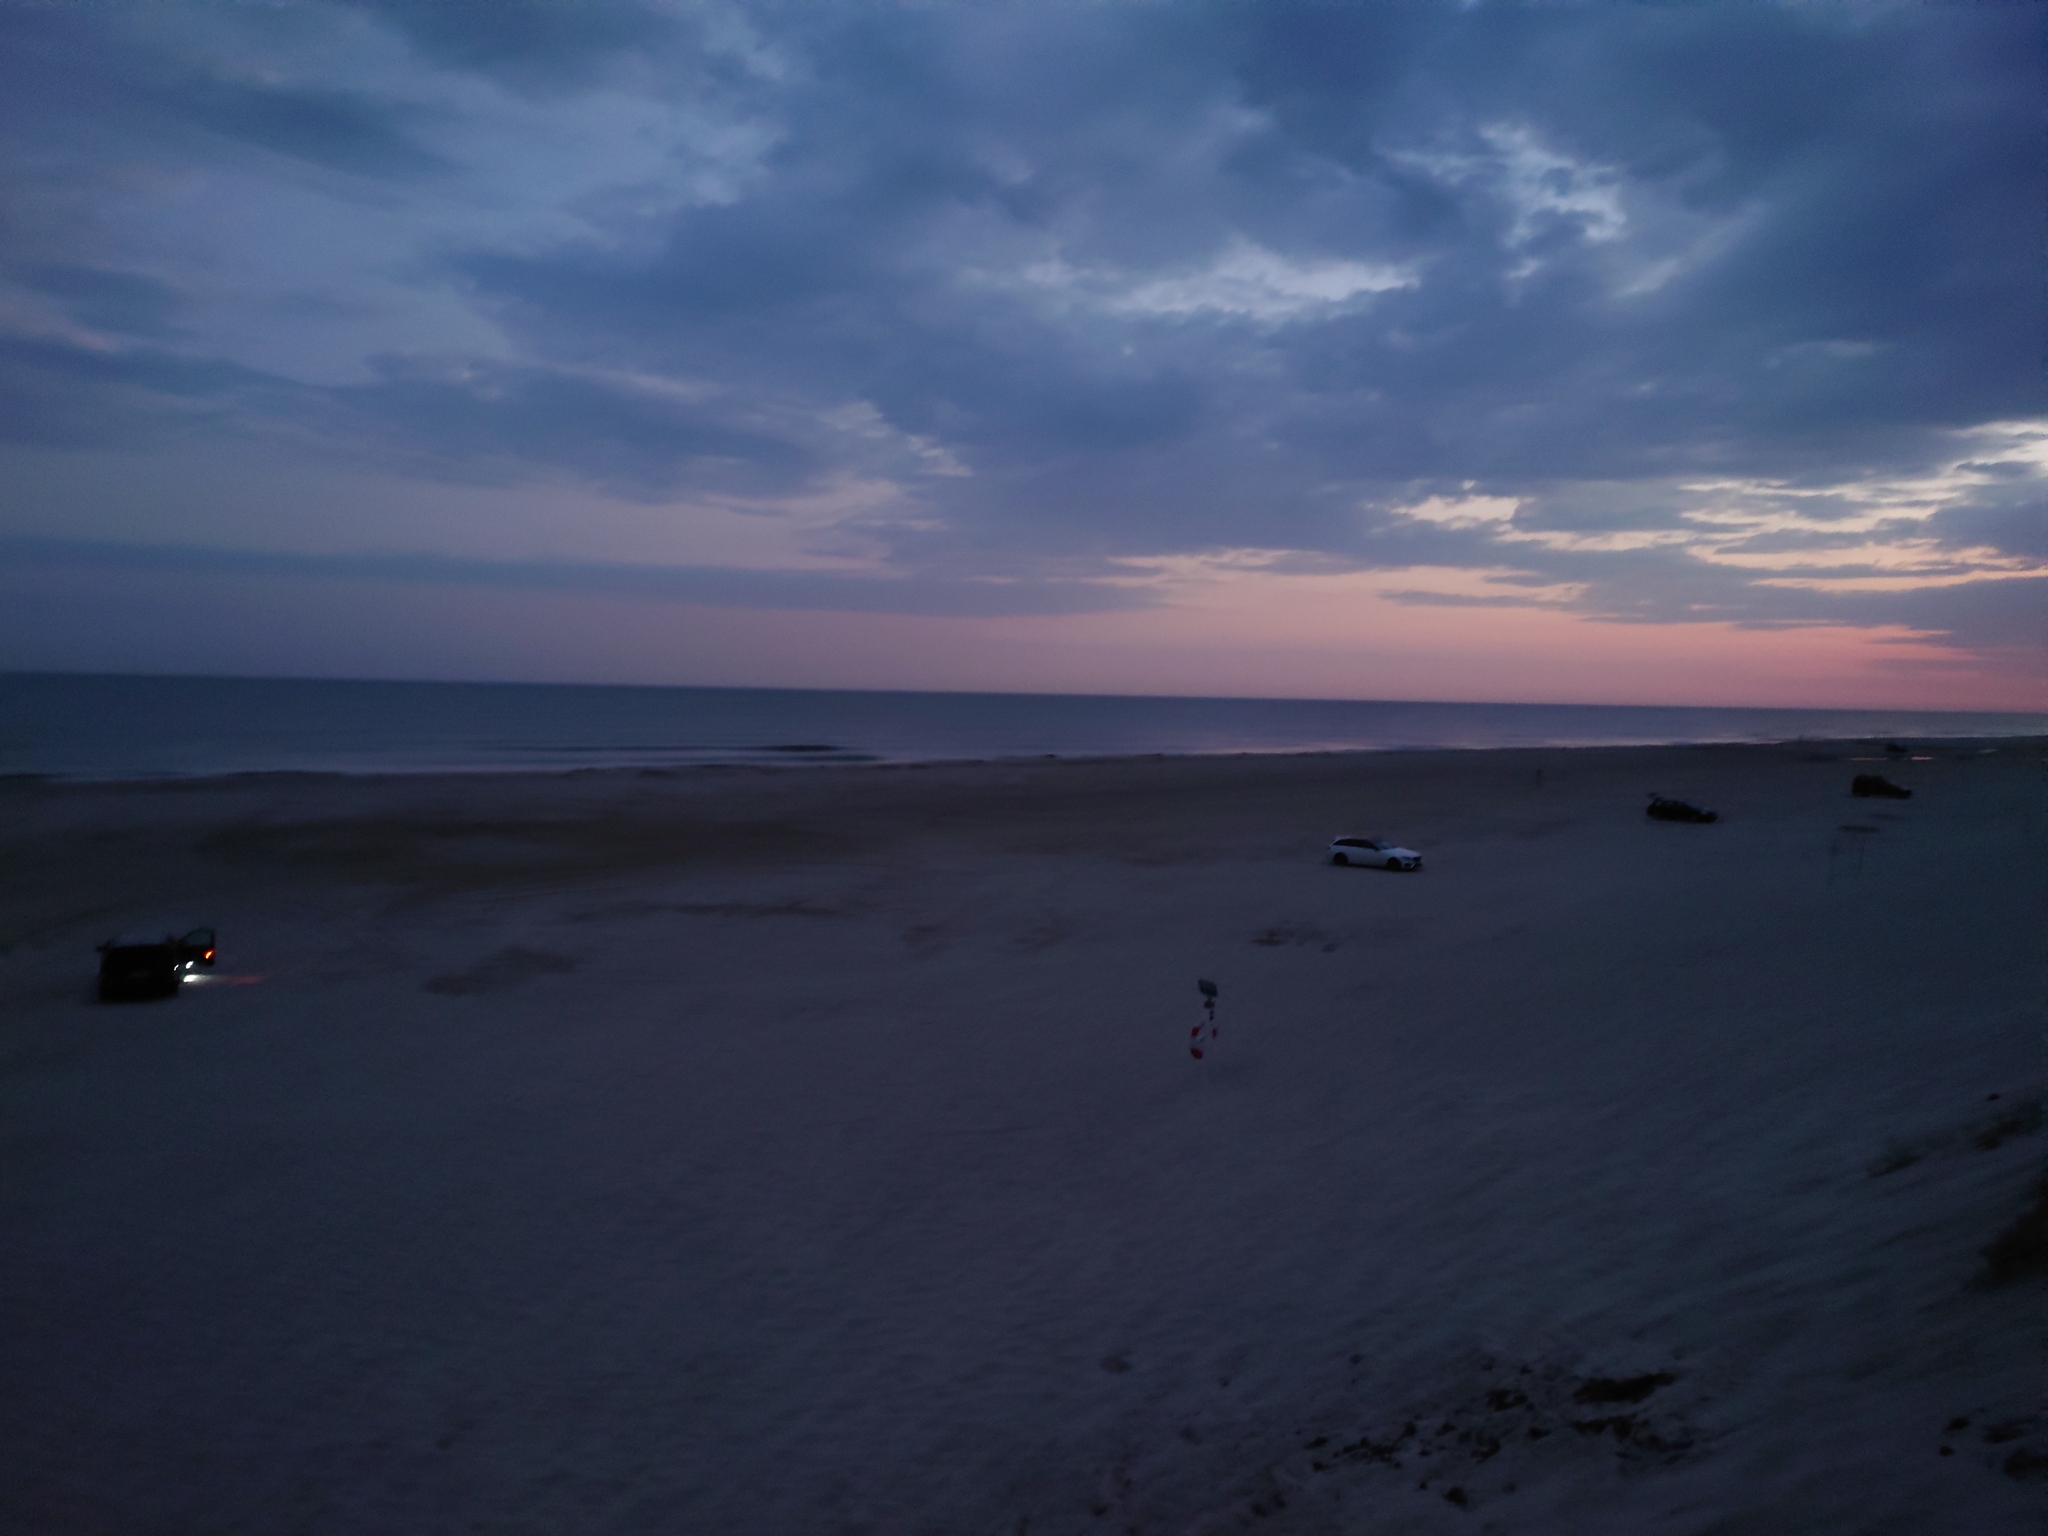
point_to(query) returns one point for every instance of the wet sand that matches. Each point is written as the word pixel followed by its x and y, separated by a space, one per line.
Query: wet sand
pixel 821 1151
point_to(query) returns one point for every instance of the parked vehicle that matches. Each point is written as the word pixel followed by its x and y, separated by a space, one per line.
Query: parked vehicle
pixel 1372 851
pixel 134 970
pixel 1868 785
pixel 135 967
pixel 1663 808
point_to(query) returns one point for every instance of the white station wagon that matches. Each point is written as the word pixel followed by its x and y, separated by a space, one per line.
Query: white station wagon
pixel 1370 850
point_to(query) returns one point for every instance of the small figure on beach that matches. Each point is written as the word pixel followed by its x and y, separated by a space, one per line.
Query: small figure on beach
pixel 1204 1034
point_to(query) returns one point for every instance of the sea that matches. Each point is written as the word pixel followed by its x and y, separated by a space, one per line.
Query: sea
pixel 69 726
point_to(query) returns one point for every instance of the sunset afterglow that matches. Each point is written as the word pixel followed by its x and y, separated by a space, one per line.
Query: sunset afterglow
pixel 1672 355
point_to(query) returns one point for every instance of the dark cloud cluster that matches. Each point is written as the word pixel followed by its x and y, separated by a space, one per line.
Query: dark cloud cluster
pixel 1694 287
pixel 539 43
pixel 916 593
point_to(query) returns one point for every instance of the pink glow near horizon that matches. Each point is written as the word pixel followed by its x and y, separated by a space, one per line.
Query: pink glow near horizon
pixel 1380 649
pixel 1251 635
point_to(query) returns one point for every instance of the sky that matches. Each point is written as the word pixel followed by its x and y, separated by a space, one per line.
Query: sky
pixel 1685 354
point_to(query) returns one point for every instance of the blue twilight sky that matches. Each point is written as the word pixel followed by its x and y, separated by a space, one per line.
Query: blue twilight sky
pixel 1659 353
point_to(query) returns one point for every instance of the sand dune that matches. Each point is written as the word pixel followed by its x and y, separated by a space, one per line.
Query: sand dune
pixel 819 1151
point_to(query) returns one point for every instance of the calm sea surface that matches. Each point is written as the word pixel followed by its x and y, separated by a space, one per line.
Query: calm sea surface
pixel 100 727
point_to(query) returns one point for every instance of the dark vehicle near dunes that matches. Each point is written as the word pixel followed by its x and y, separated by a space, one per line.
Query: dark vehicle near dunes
pixel 134 972
pixel 135 969
pixel 1868 785
pixel 1662 808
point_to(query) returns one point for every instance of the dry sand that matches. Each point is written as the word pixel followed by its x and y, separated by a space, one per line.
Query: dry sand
pixel 820 1152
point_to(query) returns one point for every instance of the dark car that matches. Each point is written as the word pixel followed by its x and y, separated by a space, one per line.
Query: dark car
pixel 1662 808
pixel 135 967
pixel 1866 785
pixel 133 971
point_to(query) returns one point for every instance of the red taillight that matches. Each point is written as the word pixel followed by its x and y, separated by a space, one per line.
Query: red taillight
pixel 209 954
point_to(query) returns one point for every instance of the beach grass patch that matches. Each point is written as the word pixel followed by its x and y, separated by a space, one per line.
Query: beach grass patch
pixel 2021 1250
pixel 1985 1133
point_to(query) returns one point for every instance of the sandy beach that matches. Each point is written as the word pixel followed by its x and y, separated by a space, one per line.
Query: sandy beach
pixel 820 1151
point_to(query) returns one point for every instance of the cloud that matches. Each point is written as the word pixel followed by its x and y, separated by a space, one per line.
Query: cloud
pixel 712 586
pixel 1677 311
pixel 534 42
pixel 342 129
pixel 1539 188
pixel 1462 511
pixel 105 299
pixel 1244 281
pixel 56 393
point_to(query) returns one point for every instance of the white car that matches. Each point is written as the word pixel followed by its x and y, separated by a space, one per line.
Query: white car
pixel 1370 850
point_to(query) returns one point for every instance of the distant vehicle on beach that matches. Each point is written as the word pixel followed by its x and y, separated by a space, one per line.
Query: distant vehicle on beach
pixel 1866 785
pixel 1371 851
pixel 1662 808
pixel 134 968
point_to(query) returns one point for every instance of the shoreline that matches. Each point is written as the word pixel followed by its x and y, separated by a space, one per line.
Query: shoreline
pixel 1980 743
pixel 113 729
